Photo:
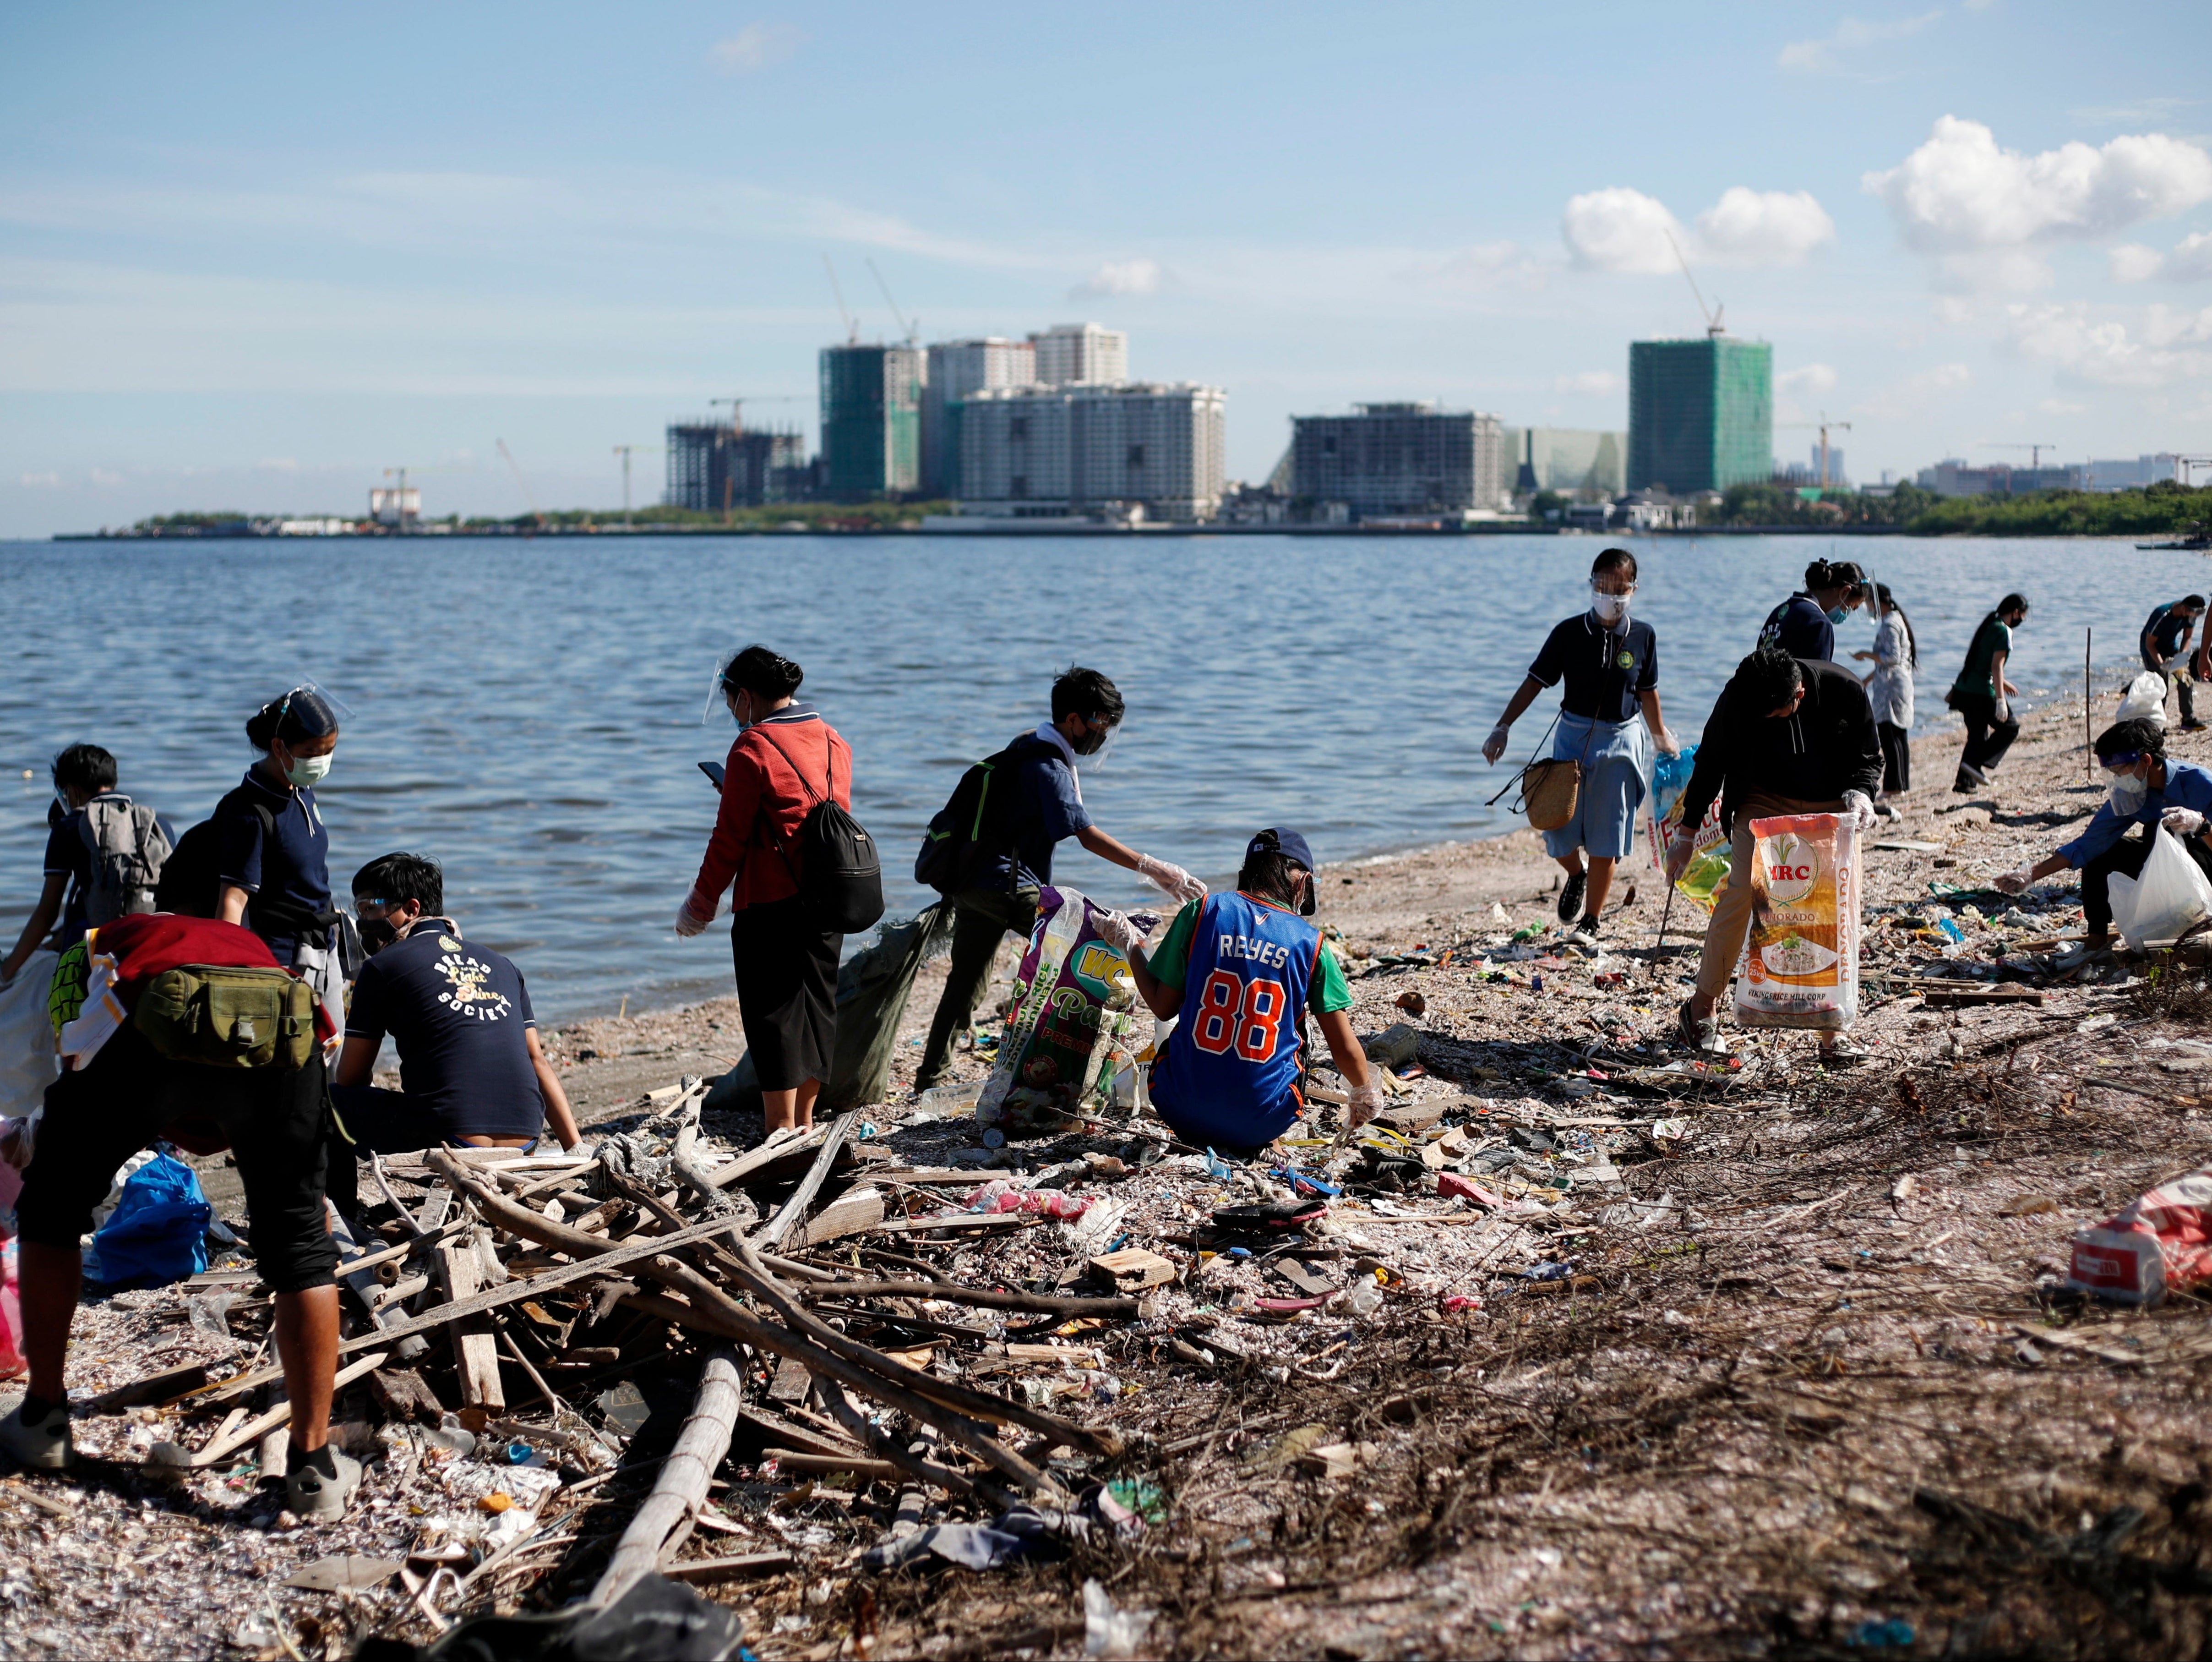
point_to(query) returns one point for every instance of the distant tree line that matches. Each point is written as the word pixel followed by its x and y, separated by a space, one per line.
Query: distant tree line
pixel 2162 509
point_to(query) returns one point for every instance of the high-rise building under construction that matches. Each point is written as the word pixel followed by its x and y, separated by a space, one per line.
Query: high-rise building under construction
pixel 1700 413
pixel 871 420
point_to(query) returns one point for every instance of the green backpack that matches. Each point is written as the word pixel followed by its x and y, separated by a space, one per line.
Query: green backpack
pixel 219 1017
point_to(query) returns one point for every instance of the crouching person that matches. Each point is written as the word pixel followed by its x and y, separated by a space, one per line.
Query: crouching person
pixel 1243 970
pixel 188 1018
pixel 2143 787
pixel 471 1067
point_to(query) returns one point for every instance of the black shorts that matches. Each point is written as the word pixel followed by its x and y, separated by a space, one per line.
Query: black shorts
pixel 787 992
pixel 100 1116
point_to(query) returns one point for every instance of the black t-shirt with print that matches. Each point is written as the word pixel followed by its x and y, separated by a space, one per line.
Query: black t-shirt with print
pixel 458 1012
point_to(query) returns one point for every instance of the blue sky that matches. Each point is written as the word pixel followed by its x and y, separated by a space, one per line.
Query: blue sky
pixel 250 256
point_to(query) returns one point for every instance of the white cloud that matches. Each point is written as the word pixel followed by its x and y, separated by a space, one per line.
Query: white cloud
pixel 1943 378
pixel 1595 382
pixel 2090 347
pixel 1620 229
pixel 2137 112
pixel 754 47
pixel 1813 380
pixel 2062 407
pixel 40 481
pixel 1765 227
pixel 1486 267
pixel 106 480
pixel 1119 276
pixel 2190 262
pixel 1851 49
pixel 1960 193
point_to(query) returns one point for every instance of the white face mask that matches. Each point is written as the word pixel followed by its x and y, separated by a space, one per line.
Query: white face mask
pixel 307 771
pixel 1609 609
pixel 2127 792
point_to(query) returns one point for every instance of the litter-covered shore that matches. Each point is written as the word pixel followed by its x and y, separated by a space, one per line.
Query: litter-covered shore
pixel 1598 1348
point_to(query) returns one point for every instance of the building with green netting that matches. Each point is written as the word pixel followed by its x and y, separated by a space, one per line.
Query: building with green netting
pixel 1700 414
pixel 872 421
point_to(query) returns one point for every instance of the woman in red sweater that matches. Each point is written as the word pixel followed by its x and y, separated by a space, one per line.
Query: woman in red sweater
pixel 785 759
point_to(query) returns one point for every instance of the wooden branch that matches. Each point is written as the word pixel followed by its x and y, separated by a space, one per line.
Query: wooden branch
pixel 230 1441
pixel 681 1487
pixel 781 1145
pixel 981 1298
pixel 475 1351
pixel 794 1210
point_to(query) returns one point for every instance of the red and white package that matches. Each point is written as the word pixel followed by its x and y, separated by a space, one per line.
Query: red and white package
pixel 2159 1241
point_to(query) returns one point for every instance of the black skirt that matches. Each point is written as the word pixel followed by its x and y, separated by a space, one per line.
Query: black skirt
pixel 787 973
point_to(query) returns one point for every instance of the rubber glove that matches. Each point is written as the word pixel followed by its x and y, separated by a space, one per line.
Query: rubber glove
pixel 1174 878
pixel 689 923
pixel 1361 1103
pixel 1118 929
pixel 2183 822
pixel 1494 746
pixel 585 1149
pixel 2012 882
pixel 1860 806
pixel 1668 744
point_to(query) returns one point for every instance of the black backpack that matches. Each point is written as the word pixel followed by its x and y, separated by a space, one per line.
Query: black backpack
pixel 840 881
pixel 977 823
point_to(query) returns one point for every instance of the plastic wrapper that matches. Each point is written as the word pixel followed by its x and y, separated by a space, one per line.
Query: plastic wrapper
pixel 1073 1032
pixel 1709 859
pixel 2165 899
pixel 1801 962
pixel 2145 700
pixel 2160 1242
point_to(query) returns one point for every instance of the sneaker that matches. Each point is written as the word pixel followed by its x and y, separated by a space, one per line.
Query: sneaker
pixel 1699 1033
pixel 1585 934
pixel 1841 1054
pixel 45 1447
pixel 317 1499
pixel 2192 725
pixel 1884 811
pixel 1970 778
pixel 1570 897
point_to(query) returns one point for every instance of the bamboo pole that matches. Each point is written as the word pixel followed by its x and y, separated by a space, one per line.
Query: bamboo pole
pixel 681 1488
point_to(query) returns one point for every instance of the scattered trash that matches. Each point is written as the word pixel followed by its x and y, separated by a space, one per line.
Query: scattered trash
pixel 1107 1632
pixel 2160 1242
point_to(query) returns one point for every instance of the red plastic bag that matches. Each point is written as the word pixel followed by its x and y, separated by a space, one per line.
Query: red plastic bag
pixel 2160 1242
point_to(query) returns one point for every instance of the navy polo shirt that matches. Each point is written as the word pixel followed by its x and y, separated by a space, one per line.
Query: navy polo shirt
pixel 458 1012
pixel 286 875
pixel 1048 810
pixel 1801 629
pixel 1606 670
pixel 2167 628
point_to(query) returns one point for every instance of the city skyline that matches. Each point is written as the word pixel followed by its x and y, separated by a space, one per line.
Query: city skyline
pixel 1962 228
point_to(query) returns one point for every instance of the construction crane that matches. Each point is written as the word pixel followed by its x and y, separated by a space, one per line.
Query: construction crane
pixel 2034 453
pixel 1714 326
pixel 521 481
pixel 1823 424
pixel 624 451
pixel 909 330
pixel 851 323
pixel 737 405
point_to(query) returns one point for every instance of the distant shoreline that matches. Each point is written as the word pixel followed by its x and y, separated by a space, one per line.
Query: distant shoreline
pixel 1134 533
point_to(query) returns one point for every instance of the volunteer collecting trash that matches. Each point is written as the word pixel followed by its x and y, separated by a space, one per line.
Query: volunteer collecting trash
pixel 1804 625
pixel 2143 787
pixel 1243 970
pixel 1787 736
pixel 2164 645
pixel 1983 697
pixel 1610 664
pixel 1895 656
pixel 990 849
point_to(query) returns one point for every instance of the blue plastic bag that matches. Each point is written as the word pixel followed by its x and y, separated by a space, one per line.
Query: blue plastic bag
pixel 157 1233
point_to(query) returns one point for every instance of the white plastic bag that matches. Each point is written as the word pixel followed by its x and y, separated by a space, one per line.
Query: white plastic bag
pixel 2161 903
pixel 2145 700
pixel 27 1060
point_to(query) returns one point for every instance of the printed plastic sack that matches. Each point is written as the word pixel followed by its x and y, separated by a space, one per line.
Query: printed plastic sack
pixel 1709 860
pixel 157 1233
pixel 12 1362
pixel 1073 1027
pixel 2165 900
pixel 1802 964
pixel 28 1062
pixel 2160 1241
pixel 2145 700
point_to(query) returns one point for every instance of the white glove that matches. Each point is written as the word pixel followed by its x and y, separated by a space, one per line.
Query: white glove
pixel 1860 806
pixel 1494 746
pixel 1173 879
pixel 1361 1103
pixel 2182 822
pixel 689 923
pixel 2013 882
pixel 1117 929
pixel 1668 744
pixel 584 1150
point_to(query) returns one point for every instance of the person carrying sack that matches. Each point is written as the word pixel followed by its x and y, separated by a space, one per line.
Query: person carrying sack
pixel 785 763
pixel 1610 665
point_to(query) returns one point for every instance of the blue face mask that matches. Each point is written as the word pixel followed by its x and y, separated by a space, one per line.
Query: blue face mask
pixel 1838 613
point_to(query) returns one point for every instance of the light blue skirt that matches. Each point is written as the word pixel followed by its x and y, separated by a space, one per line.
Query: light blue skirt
pixel 1616 759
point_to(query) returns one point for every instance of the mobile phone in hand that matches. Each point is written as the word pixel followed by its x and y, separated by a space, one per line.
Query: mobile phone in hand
pixel 714 772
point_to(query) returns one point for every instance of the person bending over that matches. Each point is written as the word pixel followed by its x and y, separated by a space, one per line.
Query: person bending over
pixel 2145 787
pixel 1049 809
pixel 1243 970
pixel 2165 646
pixel 118 1096
pixel 1787 736
pixel 471 1068
pixel 1804 625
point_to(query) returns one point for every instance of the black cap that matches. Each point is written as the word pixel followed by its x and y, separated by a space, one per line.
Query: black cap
pixel 1288 844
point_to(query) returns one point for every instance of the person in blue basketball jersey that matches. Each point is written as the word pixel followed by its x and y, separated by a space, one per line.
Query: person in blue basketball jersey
pixel 1243 970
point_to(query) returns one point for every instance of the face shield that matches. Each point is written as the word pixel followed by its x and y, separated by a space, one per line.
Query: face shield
pixel 1103 745
pixel 718 699
pixel 338 708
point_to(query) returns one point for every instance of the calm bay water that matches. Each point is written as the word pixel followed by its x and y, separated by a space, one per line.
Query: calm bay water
pixel 528 712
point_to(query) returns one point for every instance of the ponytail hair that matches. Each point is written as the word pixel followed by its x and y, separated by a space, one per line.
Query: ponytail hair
pixel 1912 642
pixel 763 674
pixel 1833 574
pixel 301 715
pixel 2010 603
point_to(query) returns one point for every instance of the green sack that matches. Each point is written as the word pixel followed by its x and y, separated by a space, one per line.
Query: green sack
pixel 228 1018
